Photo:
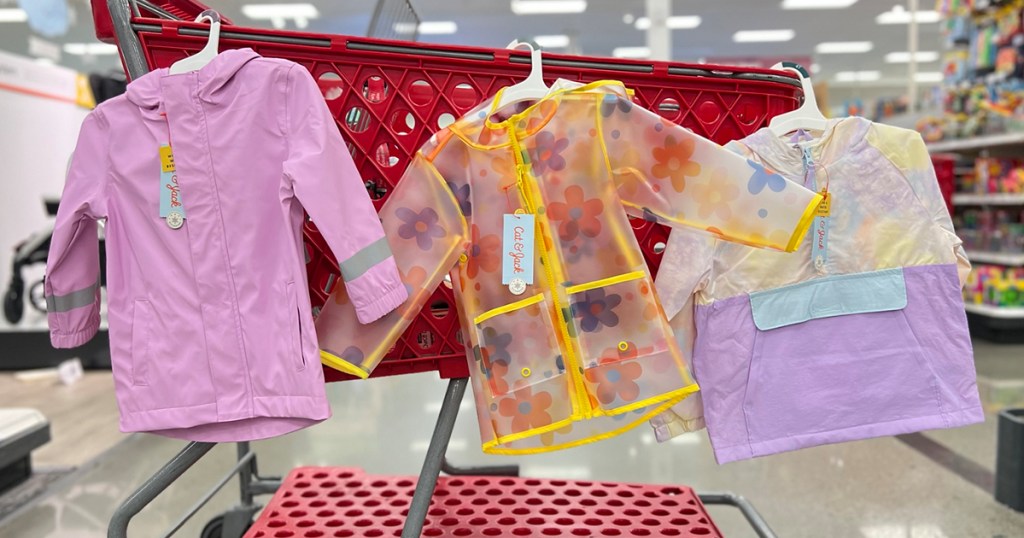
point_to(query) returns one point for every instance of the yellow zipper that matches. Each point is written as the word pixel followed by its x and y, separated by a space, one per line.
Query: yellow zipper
pixel 572 365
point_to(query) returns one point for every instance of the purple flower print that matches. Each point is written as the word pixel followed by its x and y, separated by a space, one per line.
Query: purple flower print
pixel 546 153
pixel 353 355
pixel 422 226
pixel 596 310
pixel 462 197
pixel 610 102
pixel 764 178
pixel 495 346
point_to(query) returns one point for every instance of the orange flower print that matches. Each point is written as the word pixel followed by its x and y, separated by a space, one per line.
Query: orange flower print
pixel 576 215
pixel 628 181
pixel 548 438
pixel 496 374
pixel 615 380
pixel 526 409
pixel 673 161
pixel 414 281
pixel 484 253
pixel 715 196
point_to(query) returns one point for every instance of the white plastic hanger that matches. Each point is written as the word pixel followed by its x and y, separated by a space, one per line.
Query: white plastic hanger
pixel 203 57
pixel 807 117
pixel 532 87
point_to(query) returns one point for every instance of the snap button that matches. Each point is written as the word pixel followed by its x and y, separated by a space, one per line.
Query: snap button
pixel 517 286
pixel 526 372
pixel 623 345
pixel 175 220
pixel 463 258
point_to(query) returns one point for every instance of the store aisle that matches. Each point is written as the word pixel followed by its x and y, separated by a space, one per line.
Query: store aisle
pixel 880 488
pixel 83 416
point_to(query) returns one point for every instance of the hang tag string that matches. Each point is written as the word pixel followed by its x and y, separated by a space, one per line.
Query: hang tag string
pixel 167 123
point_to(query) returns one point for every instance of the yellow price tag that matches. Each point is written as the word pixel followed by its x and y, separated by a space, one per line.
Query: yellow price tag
pixel 825 206
pixel 166 159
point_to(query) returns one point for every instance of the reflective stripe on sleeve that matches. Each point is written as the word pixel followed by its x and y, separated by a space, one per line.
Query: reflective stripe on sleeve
pixel 73 300
pixel 365 259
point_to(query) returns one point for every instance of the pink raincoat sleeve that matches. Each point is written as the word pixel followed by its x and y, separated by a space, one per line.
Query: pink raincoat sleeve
pixel 428 232
pixel 320 172
pixel 72 285
pixel 667 174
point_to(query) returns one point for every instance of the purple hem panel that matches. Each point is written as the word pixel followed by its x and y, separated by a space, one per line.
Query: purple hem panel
pixel 964 417
pixel 839 378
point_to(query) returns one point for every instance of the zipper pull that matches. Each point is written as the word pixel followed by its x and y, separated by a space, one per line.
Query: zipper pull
pixel 808 168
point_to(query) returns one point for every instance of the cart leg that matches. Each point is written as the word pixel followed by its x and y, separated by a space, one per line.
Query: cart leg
pixel 154 486
pixel 237 519
pixel 753 517
pixel 435 458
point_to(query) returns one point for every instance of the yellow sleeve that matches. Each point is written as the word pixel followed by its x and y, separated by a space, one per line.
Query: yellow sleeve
pixel 668 174
pixel 427 232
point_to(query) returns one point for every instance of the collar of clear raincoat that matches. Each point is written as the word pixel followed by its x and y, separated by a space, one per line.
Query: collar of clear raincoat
pixel 484 127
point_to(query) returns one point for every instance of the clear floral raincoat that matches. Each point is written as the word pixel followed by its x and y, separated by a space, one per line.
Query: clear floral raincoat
pixel 585 352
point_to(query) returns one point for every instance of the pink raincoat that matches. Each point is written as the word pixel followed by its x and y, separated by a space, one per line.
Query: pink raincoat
pixel 211 331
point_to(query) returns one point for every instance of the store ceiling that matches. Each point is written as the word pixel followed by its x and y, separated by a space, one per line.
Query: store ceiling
pixel 597 31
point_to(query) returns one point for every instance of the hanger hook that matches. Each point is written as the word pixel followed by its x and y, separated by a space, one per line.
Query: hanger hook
pixel 515 44
pixel 209 15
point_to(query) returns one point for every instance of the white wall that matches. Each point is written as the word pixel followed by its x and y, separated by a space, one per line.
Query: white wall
pixel 39 123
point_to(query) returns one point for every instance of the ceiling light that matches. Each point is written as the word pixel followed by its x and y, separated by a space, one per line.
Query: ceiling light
pixel 681 22
pixel 535 7
pixel 858 76
pixel 426 27
pixel 843 47
pixel 13 14
pixel 438 27
pixel 899 15
pixel 817 4
pixel 90 49
pixel 904 57
pixel 631 52
pixel 763 36
pixel 551 41
pixel 928 76
pixel 278 14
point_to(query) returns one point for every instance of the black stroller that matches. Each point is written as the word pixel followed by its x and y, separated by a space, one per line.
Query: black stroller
pixel 30 252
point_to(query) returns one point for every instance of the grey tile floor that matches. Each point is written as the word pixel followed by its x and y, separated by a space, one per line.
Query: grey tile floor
pixel 879 488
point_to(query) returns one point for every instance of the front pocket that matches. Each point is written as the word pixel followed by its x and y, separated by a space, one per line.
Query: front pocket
pixel 835 354
pixel 141 315
pixel 295 332
pixel 617 319
pixel 517 345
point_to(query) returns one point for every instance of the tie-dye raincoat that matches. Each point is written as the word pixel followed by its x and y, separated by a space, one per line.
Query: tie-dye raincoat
pixel 859 333
pixel 585 351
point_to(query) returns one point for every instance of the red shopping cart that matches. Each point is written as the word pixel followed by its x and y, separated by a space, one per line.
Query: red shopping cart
pixel 388 98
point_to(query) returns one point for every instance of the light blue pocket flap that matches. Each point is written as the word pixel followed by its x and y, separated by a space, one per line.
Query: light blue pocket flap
pixel 838 295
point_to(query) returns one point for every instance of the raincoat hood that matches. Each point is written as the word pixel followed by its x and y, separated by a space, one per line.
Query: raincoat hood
pixel 147 92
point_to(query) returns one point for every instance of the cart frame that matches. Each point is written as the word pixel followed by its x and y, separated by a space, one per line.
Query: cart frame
pixel 237 519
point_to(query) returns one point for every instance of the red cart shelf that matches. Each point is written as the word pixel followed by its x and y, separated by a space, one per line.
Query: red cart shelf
pixel 389 97
pixel 339 501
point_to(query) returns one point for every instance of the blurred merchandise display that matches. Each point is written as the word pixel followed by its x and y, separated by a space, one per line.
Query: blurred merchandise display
pixel 994 285
pixel 993 175
pixel 983 69
pixel 991 230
